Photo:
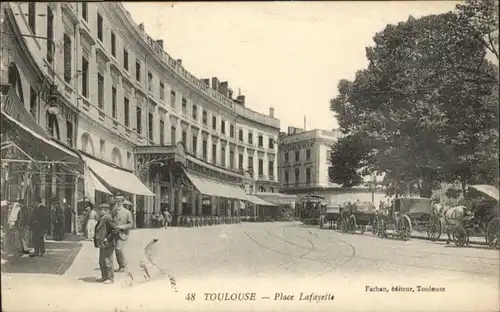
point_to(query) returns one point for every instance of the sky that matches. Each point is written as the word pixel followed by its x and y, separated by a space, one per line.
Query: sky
pixel 285 55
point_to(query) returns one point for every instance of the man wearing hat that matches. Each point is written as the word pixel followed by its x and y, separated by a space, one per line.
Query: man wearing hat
pixel 124 222
pixel 104 239
pixel 39 227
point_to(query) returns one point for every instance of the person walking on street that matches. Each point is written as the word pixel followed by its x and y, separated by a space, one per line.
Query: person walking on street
pixel 91 222
pixel 39 226
pixel 59 223
pixel 104 239
pixel 124 222
pixel 168 217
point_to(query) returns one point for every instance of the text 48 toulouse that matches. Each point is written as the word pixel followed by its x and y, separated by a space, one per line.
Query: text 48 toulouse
pixel 243 296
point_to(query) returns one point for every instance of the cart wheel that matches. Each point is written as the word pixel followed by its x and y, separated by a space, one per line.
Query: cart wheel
pixel 493 233
pixel 404 229
pixel 459 236
pixel 375 225
pixel 434 228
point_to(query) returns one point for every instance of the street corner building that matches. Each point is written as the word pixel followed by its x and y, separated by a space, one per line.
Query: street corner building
pixel 92 106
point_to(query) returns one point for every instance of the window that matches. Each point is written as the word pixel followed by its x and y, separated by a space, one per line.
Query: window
pixel 100 90
pixel 184 138
pixel 261 141
pixel 99 27
pixel 214 123
pixel 297 175
pixel 50 35
pixel 85 11
pixel 261 166
pixel 126 109
pixel 32 17
pixel 240 135
pixel 204 147
pixel 195 144
pixel 162 91
pixel 271 170
pixel 271 143
pixel 102 147
pixel 162 132
pixel 250 138
pixel 223 156
pixel 138 116
pixel 172 98
pixel 297 155
pixel 308 175
pixel 286 177
pixel 250 163
pixel 113 44
pixel 240 161
pixel 231 131
pixel 286 157
pixel 150 126
pixel 204 117
pixel 67 58
pixel 69 134
pixel 150 81
pixel 195 112
pixel 231 159
pixel 125 59
pixel 173 135
pixel 223 127
pixel 184 105
pixel 214 154
pixel 129 157
pixel 113 102
pixel 138 70
pixel 308 154
pixel 85 77
pixel 33 103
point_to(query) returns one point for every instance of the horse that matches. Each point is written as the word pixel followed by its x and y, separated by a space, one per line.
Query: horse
pixel 451 215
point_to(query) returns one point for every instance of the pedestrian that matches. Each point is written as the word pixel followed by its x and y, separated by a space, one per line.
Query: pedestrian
pixel 91 222
pixel 39 226
pixel 59 223
pixel 104 239
pixel 124 222
pixel 168 217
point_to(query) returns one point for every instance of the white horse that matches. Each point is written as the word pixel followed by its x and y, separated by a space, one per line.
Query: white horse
pixel 451 215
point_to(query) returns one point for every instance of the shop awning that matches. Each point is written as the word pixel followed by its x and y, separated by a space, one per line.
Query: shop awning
pixel 211 187
pixel 118 179
pixel 98 185
pixel 37 146
pixel 258 201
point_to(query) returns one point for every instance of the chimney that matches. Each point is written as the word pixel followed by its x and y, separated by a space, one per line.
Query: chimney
pixel 141 27
pixel 230 93
pixel 215 83
pixel 271 112
pixel 224 86
pixel 291 130
pixel 206 81
pixel 241 99
pixel 160 43
pixel 179 61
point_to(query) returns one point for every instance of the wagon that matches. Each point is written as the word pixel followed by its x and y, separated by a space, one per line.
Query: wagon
pixel 406 215
pixel 484 218
pixel 330 216
pixel 357 217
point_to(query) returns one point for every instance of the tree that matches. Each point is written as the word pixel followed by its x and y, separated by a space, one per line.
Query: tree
pixel 347 158
pixel 424 106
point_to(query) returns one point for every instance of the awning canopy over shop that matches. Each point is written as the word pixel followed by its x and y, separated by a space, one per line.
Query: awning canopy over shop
pixel 259 201
pixel 118 179
pixel 33 145
pixel 98 186
pixel 211 187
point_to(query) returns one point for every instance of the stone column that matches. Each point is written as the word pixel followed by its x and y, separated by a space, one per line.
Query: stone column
pixel 171 204
pixel 194 200
pixel 213 202
pixel 157 188
pixel 179 198
pixel 189 139
pixel 199 143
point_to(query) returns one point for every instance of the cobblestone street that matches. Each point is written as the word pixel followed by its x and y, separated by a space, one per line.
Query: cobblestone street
pixel 268 258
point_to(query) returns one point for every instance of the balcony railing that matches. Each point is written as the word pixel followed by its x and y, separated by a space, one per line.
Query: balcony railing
pixel 12 106
pixel 175 66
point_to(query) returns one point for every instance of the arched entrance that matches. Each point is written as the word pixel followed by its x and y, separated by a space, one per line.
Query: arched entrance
pixel 116 157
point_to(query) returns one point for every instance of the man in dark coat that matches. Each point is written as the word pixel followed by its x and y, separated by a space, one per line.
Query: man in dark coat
pixel 104 239
pixel 39 227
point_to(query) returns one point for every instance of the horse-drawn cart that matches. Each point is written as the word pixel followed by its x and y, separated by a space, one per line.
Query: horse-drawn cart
pixel 407 214
pixel 356 217
pixel 482 217
pixel 330 215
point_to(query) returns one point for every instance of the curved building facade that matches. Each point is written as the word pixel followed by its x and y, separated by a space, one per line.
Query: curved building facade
pixel 130 105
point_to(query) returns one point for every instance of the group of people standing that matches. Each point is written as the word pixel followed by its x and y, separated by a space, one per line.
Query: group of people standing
pixel 110 234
